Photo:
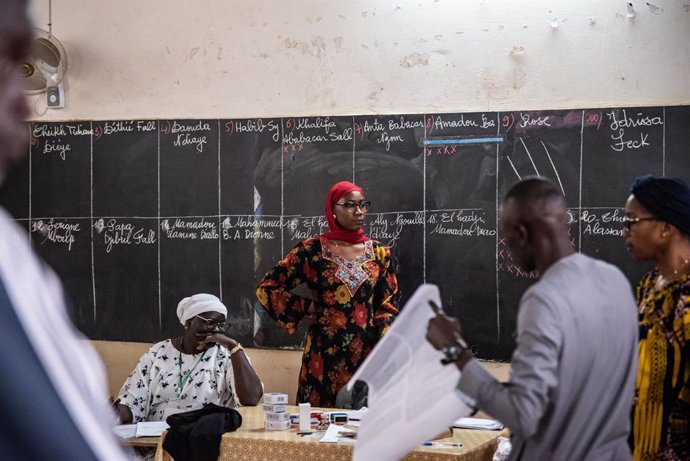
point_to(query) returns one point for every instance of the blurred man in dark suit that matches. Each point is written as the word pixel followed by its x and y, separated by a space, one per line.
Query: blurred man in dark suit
pixel 52 385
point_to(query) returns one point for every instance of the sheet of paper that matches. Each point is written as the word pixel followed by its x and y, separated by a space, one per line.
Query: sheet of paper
pixel 331 435
pixel 151 428
pixel 412 396
pixel 346 441
pixel 478 423
pixel 356 415
pixel 125 431
pixel 334 433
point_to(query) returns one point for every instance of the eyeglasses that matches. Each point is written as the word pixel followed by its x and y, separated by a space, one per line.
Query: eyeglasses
pixel 364 205
pixel 213 324
pixel 628 222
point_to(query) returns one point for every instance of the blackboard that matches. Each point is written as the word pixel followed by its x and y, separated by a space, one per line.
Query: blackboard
pixel 134 215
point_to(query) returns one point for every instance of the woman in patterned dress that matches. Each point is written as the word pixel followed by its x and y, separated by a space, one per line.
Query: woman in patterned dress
pixel 184 373
pixel 658 229
pixel 353 296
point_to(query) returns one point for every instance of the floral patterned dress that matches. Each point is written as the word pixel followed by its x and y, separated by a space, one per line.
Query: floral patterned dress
pixel 661 411
pixel 353 304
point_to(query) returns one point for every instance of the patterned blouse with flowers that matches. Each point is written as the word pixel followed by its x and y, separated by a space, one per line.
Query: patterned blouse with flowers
pixel 354 303
pixel 661 411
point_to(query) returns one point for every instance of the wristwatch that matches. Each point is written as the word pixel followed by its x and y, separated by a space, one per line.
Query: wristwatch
pixel 235 349
pixel 453 351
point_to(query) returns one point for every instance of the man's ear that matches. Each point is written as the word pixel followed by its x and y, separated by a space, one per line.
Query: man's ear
pixel 564 218
pixel 523 235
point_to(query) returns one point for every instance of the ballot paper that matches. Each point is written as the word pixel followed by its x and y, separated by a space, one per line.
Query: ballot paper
pixel 478 423
pixel 334 433
pixel 412 396
pixel 142 429
pixel 354 417
pixel 125 431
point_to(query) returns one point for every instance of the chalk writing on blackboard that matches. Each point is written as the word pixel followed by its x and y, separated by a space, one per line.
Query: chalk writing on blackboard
pixel 187 133
pixel 115 232
pixel 601 222
pixel 190 229
pixel 135 214
pixel 619 123
pixel 56 231
pixel 52 139
pixel 253 126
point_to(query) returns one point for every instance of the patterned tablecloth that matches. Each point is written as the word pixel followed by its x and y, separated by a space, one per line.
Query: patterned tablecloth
pixel 253 443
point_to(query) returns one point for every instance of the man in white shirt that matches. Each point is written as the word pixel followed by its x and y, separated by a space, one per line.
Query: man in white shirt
pixel 573 370
pixel 52 384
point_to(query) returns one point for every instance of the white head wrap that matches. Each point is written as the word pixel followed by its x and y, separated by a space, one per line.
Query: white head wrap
pixel 198 304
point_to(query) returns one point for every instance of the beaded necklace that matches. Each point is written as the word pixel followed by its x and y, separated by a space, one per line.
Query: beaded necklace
pixel 685 263
pixel 660 281
pixel 182 379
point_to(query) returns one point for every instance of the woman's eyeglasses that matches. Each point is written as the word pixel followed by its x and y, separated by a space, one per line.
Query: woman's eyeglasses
pixel 628 222
pixel 213 324
pixel 364 205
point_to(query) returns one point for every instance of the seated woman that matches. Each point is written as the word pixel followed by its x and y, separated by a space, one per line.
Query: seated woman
pixel 180 374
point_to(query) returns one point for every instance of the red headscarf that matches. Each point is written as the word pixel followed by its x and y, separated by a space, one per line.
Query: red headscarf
pixel 337 191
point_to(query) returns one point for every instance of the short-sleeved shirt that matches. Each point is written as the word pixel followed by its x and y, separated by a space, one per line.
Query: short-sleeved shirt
pixel 153 387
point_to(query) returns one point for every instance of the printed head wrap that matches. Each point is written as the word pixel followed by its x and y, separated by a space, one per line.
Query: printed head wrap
pixel 198 304
pixel 668 199
pixel 336 192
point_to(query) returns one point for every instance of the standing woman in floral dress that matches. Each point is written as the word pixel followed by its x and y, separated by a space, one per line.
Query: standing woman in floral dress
pixel 658 229
pixel 353 296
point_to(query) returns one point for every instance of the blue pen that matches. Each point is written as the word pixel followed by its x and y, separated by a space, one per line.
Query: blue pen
pixel 442 444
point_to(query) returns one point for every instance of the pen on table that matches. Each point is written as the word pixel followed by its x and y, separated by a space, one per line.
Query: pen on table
pixel 442 444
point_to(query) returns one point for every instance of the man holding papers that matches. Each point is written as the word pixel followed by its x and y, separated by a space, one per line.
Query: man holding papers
pixel 573 370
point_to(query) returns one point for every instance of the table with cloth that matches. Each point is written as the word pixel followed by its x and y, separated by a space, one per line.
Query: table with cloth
pixel 252 442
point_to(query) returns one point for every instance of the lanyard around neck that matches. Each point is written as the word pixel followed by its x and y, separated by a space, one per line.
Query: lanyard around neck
pixel 182 379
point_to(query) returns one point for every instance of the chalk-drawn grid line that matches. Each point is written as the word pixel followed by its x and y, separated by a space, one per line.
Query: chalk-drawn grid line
pixel 296 147
pixel 534 165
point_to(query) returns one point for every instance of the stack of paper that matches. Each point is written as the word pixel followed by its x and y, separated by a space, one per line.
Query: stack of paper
pixel 143 429
pixel 478 423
